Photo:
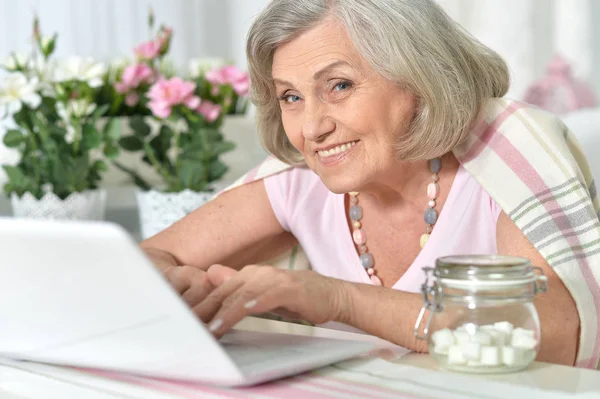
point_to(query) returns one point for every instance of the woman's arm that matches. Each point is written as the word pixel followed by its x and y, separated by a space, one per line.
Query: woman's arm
pixel 237 228
pixel 558 314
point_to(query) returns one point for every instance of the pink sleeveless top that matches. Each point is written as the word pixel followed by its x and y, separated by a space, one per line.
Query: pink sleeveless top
pixel 317 218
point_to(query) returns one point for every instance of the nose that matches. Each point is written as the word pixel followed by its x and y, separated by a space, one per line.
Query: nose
pixel 317 124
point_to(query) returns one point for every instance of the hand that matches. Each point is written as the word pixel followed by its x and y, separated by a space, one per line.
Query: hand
pixel 257 289
pixel 193 284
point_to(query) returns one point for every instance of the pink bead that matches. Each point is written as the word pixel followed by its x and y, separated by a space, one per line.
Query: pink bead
pixel 371 271
pixel 431 203
pixel 433 190
pixel 359 237
pixel 375 280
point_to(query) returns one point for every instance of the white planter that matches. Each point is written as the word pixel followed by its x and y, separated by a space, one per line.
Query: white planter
pixel 158 210
pixel 87 205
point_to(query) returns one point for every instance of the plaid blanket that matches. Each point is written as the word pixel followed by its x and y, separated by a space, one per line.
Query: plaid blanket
pixel 533 167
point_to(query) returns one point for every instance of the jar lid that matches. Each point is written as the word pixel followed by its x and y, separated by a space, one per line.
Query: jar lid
pixel 484 271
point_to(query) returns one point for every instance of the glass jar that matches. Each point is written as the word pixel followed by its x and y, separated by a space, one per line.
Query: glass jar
pixel 481 313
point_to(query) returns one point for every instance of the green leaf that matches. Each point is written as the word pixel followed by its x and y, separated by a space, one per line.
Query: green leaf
pixel 98 113
pixel 13 138
pixel 90 137
pixel 191 174
pixel 111 151
pixel 139 126
pixel 112 129
pixel 222 147
pixel 162 143
pixel 211 135
pixel 21 118
pixel 15 174
pixel 100 166
pixel 131 143
pixel 217 170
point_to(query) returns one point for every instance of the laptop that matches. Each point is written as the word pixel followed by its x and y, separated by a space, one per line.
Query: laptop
pixel 83 294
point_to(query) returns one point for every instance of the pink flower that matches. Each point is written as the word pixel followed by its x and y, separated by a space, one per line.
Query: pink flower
pixel 165 94
pixel 209 111
pixel 132 99
pixel 148 50
pixel 133 76
pixel 230 74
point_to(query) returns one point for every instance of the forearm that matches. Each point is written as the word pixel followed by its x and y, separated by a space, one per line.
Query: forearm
pixel 162 259
pixel 384 312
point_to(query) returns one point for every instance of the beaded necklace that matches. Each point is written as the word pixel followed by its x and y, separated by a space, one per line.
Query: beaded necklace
pixel 360 238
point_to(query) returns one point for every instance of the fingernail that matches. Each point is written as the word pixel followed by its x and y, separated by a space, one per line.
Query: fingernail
pixel 251 304
pixel 214 326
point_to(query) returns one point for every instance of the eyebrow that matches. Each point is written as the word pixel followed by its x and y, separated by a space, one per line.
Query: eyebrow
pixel 317 75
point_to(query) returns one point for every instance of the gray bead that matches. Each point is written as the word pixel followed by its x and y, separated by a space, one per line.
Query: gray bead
pixel 366 260
pixel 356 212
pixel 431 216
pixel 435 165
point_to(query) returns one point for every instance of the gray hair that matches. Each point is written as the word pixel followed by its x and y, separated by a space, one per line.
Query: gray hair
pixel 410 42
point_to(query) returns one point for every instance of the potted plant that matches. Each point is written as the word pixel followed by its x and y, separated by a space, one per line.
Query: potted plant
pixel 52 109
pixel 176 130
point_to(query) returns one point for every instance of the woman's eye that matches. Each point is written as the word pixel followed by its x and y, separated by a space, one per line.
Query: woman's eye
pixel 342 86
pixel 289 98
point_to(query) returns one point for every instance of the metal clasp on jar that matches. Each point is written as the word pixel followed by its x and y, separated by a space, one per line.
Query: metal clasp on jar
pixel 432 301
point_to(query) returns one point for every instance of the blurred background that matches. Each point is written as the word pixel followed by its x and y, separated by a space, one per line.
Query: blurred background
pixel 551 46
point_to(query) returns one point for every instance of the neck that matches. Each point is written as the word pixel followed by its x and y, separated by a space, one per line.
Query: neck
pixel 405 183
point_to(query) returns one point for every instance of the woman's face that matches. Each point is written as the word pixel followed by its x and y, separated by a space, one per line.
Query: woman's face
pixel 336 110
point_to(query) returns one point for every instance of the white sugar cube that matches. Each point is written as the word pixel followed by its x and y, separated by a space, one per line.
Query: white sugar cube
pixel 461 328
pixel 441 349
pixel 443 337
pixel 499 338
pixel 523 341
pixel 490 355
pixel 471 350
pixel 523 332
pixel 512 356
pixel 504 326
pixel 455 355
pixel 481 337
pixel 488 328
pixel 461 337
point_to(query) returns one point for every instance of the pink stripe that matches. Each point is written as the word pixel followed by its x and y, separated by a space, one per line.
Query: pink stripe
pixel 528 175
pixel 485 132
pixel 320 383
pixel 252 174
pixel 165 385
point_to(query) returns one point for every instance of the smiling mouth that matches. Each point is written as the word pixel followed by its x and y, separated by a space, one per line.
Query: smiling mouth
pixel 340 149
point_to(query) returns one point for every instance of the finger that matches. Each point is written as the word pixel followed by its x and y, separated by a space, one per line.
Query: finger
pixel 247 300
pixel 178 278
pixel 218 274
pixel 199 289
pixel 208 307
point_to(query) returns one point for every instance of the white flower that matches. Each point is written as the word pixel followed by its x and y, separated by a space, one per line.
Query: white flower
pixel 81 69
pixel 14 61
pixel 74 109
pixel 198 66
pixel 15 90
pixel 70 136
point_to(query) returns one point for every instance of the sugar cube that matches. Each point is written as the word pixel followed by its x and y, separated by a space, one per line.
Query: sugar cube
pixel 504 326
pixel 441 349
pixel 523 341
pixel 512 356
pixel 455 355
pixel 461 337
pixel 523 332
pixel 471 350
pixel 443 337
pixel 499 338
pixel 490 355
pixel 482 338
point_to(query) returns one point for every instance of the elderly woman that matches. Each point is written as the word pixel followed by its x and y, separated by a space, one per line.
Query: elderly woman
pixel 394 149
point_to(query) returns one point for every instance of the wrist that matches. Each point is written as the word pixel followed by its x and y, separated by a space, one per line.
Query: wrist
pixel 345 302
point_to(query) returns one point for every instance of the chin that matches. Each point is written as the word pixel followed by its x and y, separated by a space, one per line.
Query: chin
pixel 339 184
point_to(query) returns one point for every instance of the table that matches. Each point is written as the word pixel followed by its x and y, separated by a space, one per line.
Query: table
pixel 388 374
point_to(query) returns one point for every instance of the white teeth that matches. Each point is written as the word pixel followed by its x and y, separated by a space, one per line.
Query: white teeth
pixel 337 150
